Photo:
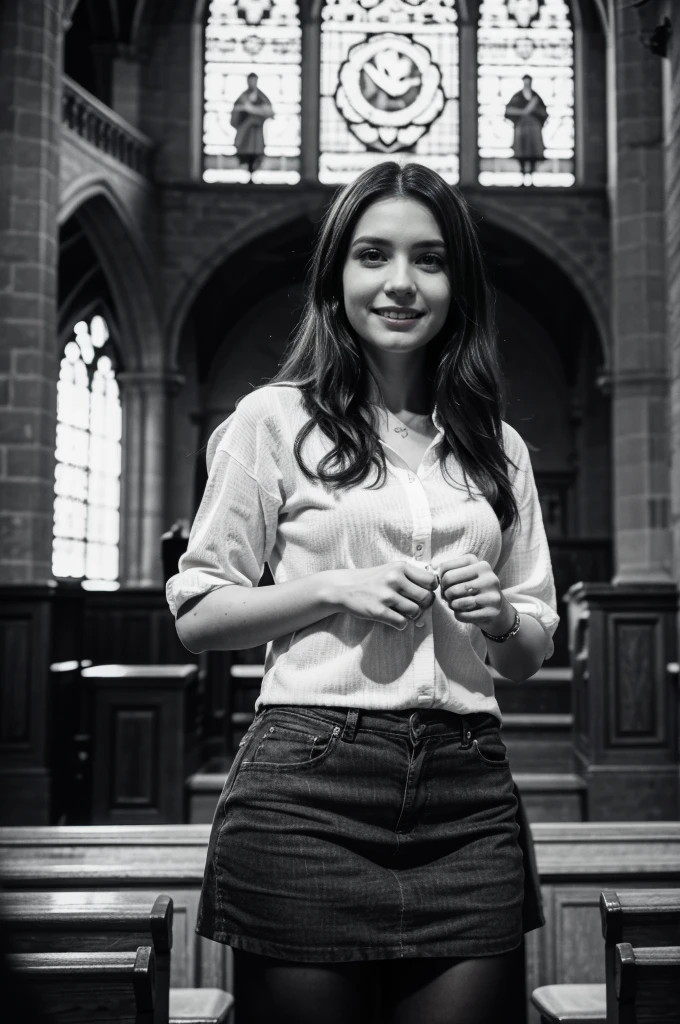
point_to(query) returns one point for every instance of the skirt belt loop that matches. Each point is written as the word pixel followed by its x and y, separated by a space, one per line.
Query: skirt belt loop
pixel 350 730
pixel 465 732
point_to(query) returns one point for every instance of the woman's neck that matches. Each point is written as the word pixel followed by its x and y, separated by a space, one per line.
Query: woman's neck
pixel 403 385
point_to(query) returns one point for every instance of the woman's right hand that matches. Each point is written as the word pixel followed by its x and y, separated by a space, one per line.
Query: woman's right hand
pixel 394 594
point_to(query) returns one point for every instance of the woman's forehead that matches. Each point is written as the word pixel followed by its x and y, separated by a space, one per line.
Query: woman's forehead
pixel 398 219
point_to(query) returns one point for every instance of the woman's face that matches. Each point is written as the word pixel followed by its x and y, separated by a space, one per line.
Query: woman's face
pixel 396 280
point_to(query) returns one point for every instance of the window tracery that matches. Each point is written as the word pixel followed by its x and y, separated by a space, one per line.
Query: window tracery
pixel 519 39
pixel 389 85
pixel 251 130
pixel 88 457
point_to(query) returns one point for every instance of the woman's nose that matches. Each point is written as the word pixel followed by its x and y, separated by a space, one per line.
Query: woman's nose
pixel 399 277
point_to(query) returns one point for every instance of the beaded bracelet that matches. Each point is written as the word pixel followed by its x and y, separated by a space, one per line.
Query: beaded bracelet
pixel 505 636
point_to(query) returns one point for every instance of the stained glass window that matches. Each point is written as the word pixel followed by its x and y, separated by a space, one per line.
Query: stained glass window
pixel 526 93
pixel 88 454
pixel 251 122
pixel 389 86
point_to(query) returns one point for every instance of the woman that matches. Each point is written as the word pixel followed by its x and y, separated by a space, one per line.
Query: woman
pixel 366 839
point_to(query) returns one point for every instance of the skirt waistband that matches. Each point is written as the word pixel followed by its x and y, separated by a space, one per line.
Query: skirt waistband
pixel 418 724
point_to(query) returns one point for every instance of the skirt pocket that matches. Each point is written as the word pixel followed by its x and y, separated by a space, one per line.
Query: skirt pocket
pixel 290 743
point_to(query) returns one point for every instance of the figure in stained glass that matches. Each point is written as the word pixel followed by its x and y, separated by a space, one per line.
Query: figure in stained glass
pixel 528 113
pixel 251 110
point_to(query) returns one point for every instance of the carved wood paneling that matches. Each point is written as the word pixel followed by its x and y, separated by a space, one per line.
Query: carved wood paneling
pixel 16 664
pixel 635 712
pixel 135 757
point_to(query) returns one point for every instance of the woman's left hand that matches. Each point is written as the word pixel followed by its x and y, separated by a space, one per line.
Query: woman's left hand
pixel 473 592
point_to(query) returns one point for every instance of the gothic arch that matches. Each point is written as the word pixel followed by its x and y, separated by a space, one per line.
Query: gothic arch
pixel 121 255
pixel 309 205
pixel 513 221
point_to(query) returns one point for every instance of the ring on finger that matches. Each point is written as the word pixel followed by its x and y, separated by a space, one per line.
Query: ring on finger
pixel 472 590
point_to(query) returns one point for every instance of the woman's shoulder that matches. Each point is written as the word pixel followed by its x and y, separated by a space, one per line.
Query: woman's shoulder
pixel 265 412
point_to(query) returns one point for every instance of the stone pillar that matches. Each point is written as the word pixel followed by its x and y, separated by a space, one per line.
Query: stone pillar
pixel 310 98
pixel 468 101
pixel 640 380
pixel 145 398
pixel 30 124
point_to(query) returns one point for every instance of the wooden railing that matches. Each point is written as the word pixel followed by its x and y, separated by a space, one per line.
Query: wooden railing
pixel 97 124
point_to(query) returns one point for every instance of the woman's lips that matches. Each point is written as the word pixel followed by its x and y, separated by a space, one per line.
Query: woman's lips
pixel 399 323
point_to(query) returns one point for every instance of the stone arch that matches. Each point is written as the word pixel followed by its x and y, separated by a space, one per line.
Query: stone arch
pixel 125 263
pixel 514 222
pixel 309 205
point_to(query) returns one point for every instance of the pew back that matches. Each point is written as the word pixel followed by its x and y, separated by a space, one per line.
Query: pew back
pixel 84 988
pixel 647 985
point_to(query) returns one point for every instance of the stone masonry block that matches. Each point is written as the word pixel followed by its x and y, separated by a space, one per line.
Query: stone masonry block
pixel 26 495
pixel 32 461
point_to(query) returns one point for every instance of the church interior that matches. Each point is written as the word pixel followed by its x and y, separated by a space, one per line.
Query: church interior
pixel 155 233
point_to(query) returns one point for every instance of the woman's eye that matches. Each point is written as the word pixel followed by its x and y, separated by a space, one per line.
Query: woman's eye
pixel 433 260
pixel 370 255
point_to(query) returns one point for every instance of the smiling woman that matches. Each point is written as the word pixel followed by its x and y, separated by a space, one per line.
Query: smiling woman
pixel 389 594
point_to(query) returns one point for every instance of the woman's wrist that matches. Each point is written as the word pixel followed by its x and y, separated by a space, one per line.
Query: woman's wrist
pixel 503 621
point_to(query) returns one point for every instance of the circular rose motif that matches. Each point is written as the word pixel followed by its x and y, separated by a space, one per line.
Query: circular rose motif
pixel 388 81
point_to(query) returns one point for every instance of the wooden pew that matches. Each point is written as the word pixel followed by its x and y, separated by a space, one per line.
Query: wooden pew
pixel 576 861
pixel 82 922
pixel 647 985
pixel 40 922
pixel 83 988
pixel 639 918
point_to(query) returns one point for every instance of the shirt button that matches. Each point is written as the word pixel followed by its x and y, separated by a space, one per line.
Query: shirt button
pixel 411 478
pixel 419 547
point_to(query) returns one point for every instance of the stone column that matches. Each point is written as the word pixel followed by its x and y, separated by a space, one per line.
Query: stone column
pixel 30 124
pixel 310 98
pixel 145 397
pixel 640 380
pixel 468 106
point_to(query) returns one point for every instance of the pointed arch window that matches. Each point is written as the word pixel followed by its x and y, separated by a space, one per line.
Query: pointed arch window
pixel 525 49
pixel 389 86
pixel 252 88
pixel 88 457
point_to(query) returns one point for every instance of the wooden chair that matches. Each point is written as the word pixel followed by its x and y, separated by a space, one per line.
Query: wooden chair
pixel 84 988
pixel 647 985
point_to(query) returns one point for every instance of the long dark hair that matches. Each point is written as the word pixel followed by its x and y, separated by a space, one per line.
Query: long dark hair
pixel 462 366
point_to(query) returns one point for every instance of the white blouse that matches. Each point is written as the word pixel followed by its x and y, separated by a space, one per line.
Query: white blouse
pixel 259 507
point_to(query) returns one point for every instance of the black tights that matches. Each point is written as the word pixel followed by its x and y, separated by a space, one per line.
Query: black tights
pixel 409 991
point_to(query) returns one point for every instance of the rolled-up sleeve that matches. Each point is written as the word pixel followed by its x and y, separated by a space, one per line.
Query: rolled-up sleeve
pixel 524 568
pixel 235 527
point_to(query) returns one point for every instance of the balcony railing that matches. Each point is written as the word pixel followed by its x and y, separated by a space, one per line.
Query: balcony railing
pixel 97 124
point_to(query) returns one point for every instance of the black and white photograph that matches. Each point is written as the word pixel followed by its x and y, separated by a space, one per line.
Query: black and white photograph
pixel 340 511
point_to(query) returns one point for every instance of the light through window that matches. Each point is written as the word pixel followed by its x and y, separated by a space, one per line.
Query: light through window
pixel 526 93
pixel 88 458
pixel 389 86
pixel 251 121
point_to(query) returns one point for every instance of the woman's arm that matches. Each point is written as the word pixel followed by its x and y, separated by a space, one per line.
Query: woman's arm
pixel 237 617
pixel 520 656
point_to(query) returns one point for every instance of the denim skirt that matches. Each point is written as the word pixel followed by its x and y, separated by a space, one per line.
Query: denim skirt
pixel 343 834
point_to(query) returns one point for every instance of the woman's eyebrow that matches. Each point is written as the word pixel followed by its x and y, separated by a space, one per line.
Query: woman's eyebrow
pixel 427 243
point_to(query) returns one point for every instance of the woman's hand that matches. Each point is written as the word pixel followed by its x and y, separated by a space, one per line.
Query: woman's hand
pixel 473 592
pixel 394 594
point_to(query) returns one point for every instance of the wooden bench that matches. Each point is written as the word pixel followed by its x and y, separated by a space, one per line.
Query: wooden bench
pixel 83 922
pixel 83 988
pixel 576 861
pixel 571 1004
pixel 647 985
pixel 40 922
pixel 639 918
